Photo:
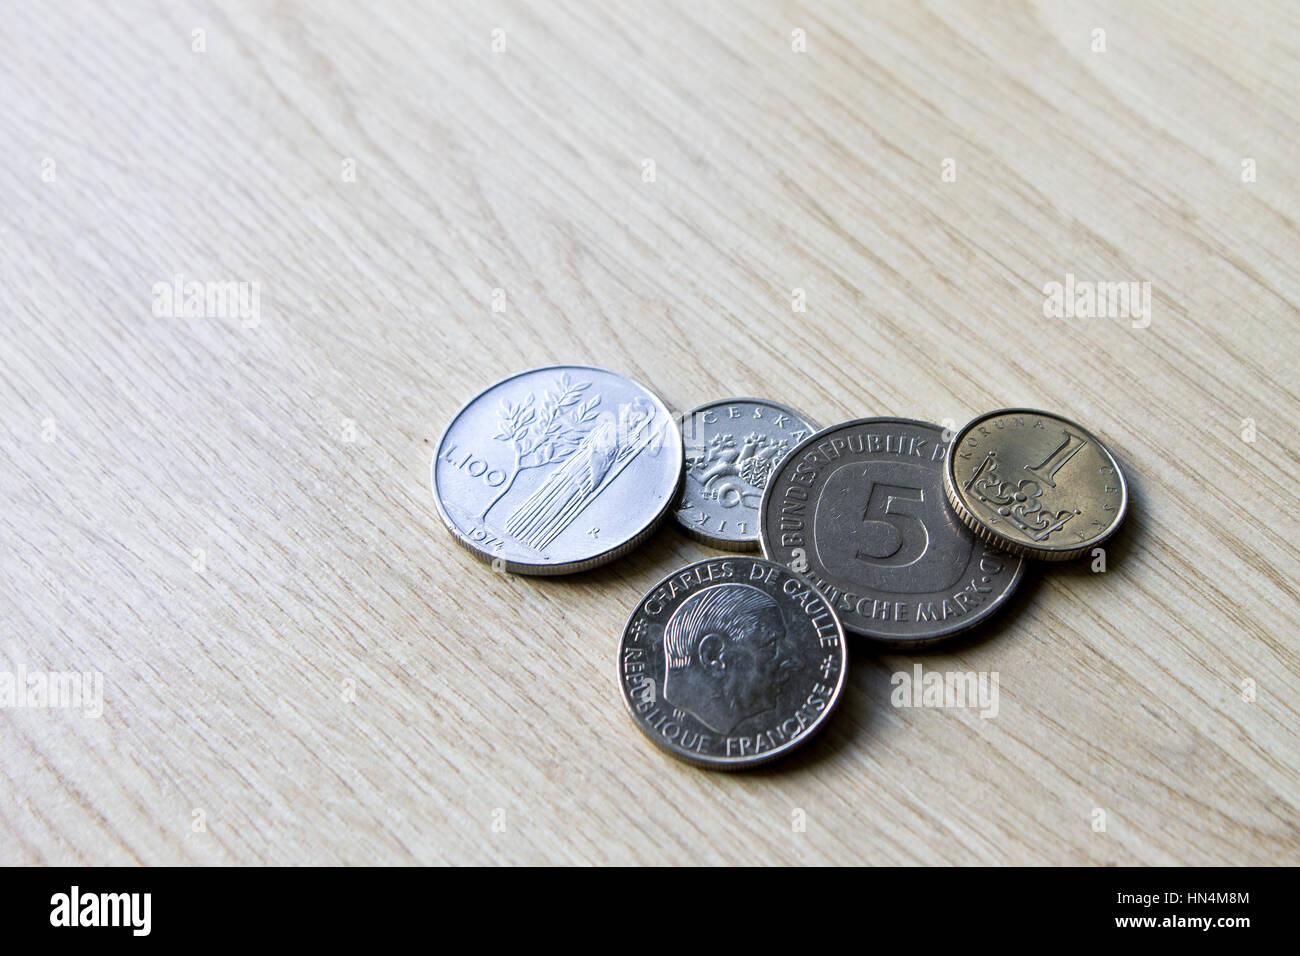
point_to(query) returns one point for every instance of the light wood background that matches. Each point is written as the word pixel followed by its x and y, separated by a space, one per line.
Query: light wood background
pixel 292 645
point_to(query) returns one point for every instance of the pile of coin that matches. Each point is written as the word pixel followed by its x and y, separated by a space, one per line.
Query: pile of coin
pixel 889 529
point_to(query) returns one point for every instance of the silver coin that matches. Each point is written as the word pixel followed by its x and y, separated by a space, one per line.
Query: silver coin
pixel 732 448
pixel 732 662
pixel 557 469
pixel 860 509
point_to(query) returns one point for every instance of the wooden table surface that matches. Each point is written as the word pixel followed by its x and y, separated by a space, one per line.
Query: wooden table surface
pixel 856 209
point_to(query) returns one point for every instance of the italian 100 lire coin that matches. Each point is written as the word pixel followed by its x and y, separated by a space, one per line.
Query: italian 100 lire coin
pixel 557 469
pixel 1035 484
pixel 732 448
pixel 732 662
pixel 859 508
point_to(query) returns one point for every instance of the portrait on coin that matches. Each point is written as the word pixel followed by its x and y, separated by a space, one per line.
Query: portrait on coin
pixel 727 654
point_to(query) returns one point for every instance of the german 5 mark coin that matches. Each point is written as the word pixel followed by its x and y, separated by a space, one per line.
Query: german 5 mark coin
pixel 732 448
pixel 1035 484
pixel 731 662
pixel 859 508
pixel 557 469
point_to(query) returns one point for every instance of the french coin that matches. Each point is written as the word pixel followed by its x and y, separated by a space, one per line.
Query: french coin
pixel 557 469
pixel 859 508
pixel 731 662
pixel 732 448
pixel 1035 484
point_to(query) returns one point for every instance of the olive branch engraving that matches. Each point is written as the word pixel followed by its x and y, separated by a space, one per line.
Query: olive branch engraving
pixel 542 435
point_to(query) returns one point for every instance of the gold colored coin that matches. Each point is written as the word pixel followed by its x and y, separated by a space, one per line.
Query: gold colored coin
pixel 1035 484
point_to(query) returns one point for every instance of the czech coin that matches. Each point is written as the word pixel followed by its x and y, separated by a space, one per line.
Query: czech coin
pixel 1035 484
pixel 859 508
pixel 731 662
pixel 557 469
pixel 732 448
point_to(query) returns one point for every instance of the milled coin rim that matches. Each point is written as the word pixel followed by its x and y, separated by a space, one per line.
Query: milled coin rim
pixel 568 567
pixel 723 763
pixel 740 545
pixel 987 533
pixel 894 641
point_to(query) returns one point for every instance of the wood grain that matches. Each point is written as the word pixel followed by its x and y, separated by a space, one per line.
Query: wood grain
pixel 340 683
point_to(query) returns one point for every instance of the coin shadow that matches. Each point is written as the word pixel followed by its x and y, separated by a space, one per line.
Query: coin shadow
pixel 844 729
pixel 1118 550
pixel 992 627
pixel 669 548
pixel 1120 546
pixel 664 548
pixel 867 683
